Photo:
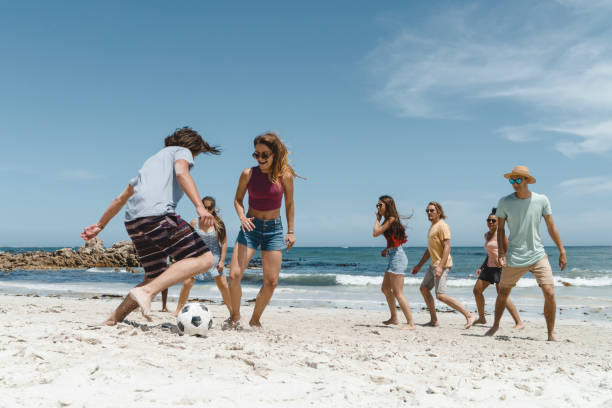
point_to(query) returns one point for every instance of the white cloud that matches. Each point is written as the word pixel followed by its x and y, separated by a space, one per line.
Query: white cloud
pixel 561 71
pixel 587 185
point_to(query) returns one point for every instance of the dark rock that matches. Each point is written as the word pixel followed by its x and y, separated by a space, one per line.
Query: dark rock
pixel 92 254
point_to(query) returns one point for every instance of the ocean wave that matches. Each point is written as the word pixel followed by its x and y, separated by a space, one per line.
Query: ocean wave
pixel 112 270
pixel 295 279
pixel 589 272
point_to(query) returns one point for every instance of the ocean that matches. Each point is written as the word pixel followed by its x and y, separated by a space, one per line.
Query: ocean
pixel 336 277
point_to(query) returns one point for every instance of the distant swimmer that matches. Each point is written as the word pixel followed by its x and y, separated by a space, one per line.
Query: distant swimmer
pixel 153 225
pixel 439 249
pixel 490 273
pixel 393 281
pixel 523 211
pixel 261 225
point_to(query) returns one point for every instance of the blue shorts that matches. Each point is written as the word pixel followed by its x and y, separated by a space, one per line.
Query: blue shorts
pixel 398 261
pixel 267 234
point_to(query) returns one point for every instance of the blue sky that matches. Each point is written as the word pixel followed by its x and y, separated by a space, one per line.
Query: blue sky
pixel 420 100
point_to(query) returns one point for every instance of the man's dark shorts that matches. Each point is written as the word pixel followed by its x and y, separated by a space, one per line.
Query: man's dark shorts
pixel 158 237
pixel 490 274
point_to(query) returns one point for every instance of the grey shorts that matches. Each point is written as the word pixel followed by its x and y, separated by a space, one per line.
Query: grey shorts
pixel 429 280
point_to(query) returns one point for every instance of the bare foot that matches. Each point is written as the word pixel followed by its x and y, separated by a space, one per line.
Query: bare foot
pixel 255 324
pixel 481 320
pixel 390 321
pixel 431 323
pixel 109 322
pixel 492 331
pixel 552 337
pixel 165 309
pixel 143 301
pixel 519 326
pixel 470 321
pixel 175 313
pixel 407 327
pixel 228 324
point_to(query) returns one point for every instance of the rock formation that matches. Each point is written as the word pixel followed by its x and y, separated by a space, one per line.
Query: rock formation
pixel 92 254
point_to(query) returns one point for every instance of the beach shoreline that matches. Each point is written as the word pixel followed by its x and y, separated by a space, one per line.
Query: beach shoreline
pixel 54 354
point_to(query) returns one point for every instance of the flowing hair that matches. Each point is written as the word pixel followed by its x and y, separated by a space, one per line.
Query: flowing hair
pixel 439 209
pixel 280 164
pixel 190 139
pixel 218 223
pixel 397 228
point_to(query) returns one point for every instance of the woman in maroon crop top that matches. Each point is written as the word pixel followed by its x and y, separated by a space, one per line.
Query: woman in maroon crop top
pixel 261 225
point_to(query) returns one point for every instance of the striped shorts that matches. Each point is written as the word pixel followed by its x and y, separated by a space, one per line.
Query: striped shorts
pixel 159 237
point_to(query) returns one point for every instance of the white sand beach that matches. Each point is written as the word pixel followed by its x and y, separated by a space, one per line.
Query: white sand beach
pixel 53 354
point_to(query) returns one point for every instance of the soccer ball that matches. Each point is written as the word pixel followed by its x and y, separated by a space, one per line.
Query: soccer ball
pixel 194 319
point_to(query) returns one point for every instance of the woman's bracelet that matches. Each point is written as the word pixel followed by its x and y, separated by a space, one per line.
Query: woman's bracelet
pixel 291 232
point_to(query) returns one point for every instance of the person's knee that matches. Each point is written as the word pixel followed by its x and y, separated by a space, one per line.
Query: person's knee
pixel 271 282
pixel 235 277
pixel 549 292
pixel 207 261
pixel 189 282
pixel 477 291
pixel 440 296
pixel 385 290
pixel 424 290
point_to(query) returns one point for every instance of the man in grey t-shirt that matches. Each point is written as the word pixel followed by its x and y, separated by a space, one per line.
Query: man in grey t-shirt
pixel 153 226
pixel 523 211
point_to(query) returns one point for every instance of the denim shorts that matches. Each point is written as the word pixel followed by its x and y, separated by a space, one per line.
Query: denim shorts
pixel 267 234
pixel 398 261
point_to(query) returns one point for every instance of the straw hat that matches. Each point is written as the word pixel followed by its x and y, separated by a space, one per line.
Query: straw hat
pixel 521 171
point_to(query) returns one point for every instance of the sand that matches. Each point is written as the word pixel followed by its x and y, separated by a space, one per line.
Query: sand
pixel 53 354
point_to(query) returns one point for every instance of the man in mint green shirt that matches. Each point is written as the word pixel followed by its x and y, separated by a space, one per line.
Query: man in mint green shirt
pixel 523 211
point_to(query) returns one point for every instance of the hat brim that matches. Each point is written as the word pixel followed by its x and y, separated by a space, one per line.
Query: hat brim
pixel 530 179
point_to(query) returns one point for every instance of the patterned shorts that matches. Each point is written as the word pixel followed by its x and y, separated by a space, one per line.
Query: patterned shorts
pixel 158 237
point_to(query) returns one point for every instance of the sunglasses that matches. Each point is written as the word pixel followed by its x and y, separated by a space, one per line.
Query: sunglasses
pixel 516 180
pixel 430 210
pixel 379 205
pixel 491 221
pixel 263 155
pixel 209 208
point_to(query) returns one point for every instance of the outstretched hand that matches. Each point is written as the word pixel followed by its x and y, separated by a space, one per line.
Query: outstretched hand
pixel 415 270
pixel 91 231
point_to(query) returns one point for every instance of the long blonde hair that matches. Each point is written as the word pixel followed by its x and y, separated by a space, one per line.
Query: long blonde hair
pixel 280 164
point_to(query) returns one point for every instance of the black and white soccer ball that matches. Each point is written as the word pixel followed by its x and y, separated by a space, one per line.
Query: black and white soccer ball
pixel 194 319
